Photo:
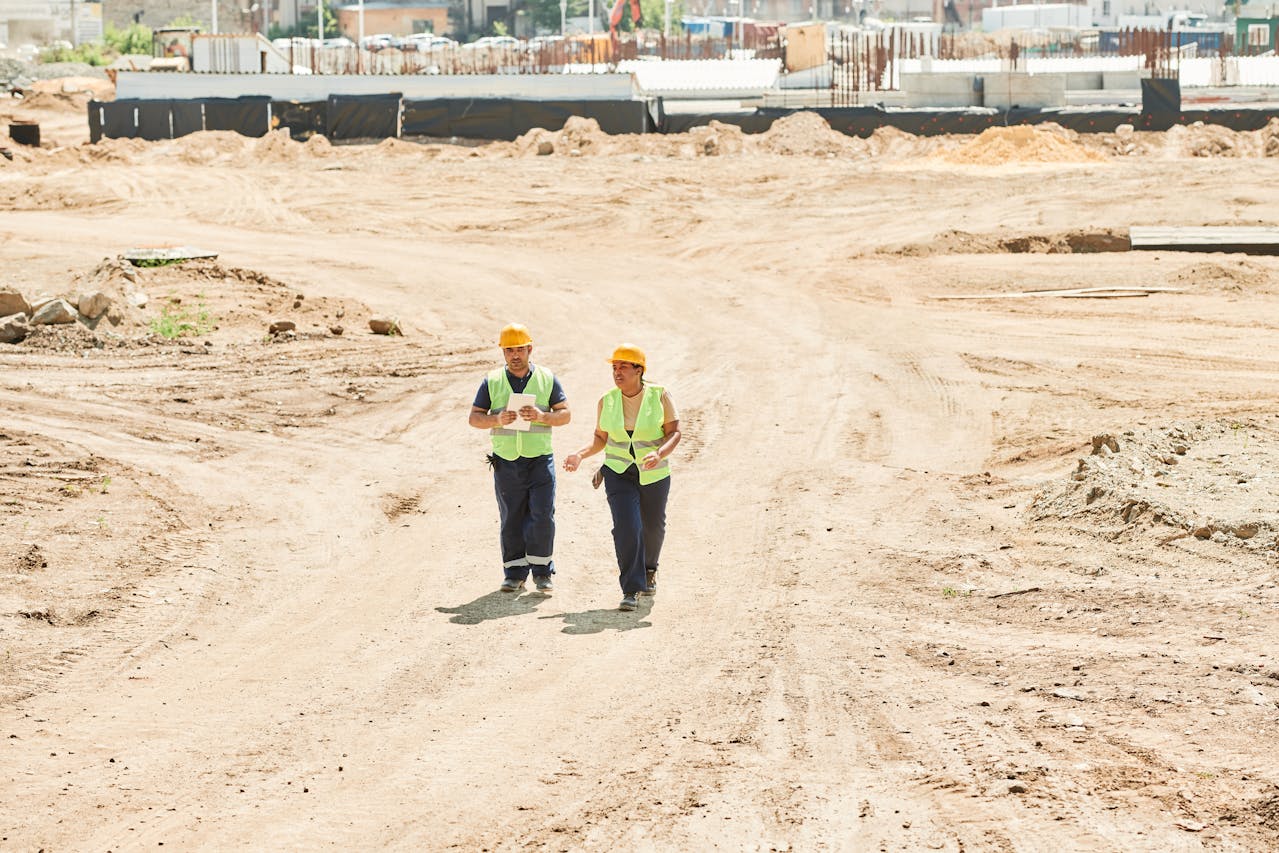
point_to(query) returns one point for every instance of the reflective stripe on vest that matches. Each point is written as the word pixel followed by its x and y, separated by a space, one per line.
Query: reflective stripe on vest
pixel 512 444
pixel 621 451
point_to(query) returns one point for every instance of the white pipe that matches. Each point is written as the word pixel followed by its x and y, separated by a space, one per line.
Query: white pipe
pixel 360 42
pixel 319 20
pixel 214 5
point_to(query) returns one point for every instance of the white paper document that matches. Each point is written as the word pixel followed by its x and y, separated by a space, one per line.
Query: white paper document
pixel 517 402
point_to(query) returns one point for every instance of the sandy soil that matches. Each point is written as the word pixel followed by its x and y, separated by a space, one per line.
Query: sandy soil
pixel 940 575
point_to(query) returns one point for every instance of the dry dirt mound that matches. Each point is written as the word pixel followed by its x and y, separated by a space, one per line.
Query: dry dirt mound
pixel 209 146
pixel 807 133
pixel 1217 481
pixel 717 139
pixel 1056 243
pixel 996 146
pixel 97 87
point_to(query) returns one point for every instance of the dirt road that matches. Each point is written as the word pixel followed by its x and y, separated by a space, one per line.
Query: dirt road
pixel 897 611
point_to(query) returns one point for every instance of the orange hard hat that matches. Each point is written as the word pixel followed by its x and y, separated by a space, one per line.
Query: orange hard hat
pixel 514 335
pixel 630 353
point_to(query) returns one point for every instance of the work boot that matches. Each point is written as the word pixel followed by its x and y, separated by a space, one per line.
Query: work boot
pixel 511 585
pixel 651 575
pixel 543 583
pixel 629 602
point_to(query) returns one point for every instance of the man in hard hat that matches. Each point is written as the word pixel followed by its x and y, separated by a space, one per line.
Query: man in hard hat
pixel 523 469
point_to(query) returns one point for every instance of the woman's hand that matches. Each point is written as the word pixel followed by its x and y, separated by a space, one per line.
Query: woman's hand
pixel 572 461
pixel 651 461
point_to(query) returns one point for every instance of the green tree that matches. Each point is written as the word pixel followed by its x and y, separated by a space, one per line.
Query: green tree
pixel 136 38
pixel 546 13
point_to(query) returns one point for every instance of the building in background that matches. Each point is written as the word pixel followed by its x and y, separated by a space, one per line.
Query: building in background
pixel 395 17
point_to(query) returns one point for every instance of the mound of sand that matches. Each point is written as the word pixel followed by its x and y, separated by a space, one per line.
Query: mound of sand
pixel 808 134
pixel 1209 480
pixel 209 146
pixel 717 139
pixel 97 87
pixel 1022 144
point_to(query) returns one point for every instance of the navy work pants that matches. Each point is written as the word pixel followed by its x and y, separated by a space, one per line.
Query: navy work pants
pixel 525 490
pixel 639 525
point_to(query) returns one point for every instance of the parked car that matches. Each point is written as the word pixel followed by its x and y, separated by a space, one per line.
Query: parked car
pixel 380 41
pixel 494 42
pixel 340 41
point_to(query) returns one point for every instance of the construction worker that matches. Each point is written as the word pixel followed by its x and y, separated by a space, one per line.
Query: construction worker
pixel 637 427
pixel 523 468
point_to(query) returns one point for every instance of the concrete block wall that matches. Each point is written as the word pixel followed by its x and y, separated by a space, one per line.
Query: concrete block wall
pixel 1006 90
pixel 940 90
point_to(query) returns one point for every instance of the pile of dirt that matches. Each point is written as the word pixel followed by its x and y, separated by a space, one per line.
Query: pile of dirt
pixel 276 147
pixel 1213 481
pixel 893 142
pixel 956 242
pixel 806 133
pixel 209 146
pixel 1211 140
pixel 717 139
pixel 318 145
pixel 996 146
pixel 97 87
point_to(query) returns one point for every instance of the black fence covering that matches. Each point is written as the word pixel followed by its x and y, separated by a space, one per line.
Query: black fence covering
pixel 119 119
pixel 154 120
pixel 364 116
pixel 379 116
pixel 302 119
pixel 248 116
pixel 95 121
pixel 862 121
pixel 188 117
pixel 506 119
pixel 1160 101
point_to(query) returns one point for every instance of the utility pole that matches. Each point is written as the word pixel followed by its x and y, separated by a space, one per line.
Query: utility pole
pixel 214 5
pixel 319 19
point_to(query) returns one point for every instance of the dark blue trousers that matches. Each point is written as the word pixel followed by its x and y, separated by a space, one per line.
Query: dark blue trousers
pixel 525 491
pixel 639 525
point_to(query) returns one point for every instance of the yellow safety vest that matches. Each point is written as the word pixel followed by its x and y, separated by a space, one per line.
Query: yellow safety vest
pixel 511 444
pixel 621 451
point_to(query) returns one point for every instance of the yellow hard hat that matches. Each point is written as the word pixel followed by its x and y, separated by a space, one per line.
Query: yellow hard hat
pixel 629 352
pixel 514 335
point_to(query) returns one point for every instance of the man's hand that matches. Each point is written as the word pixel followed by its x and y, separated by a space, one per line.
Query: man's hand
pixel 530 413
pixel 504 418
pixel 572 461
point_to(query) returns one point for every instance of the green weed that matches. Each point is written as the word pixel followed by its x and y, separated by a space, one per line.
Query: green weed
pixel 176 322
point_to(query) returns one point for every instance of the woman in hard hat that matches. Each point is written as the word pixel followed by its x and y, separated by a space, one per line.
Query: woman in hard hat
pixel 637 427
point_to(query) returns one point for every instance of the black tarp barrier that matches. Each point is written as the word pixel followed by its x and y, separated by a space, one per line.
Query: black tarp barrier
pixel 862 121
pixel 95 121
pixel 506 119
pixel 364 116
pixel 1160 102
pixel 153 120
pixel 426 118
pixel 247 116
pixel 119 119
pixel 188 117
pixel 303 119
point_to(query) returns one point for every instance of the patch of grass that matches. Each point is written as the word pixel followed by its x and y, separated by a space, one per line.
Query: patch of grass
pixel 177 322
pixel 157 262
pixel 71 490
pixel 106 481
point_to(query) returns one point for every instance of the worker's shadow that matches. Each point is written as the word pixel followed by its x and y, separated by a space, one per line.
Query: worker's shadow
pixel 494 605
pixel 595 621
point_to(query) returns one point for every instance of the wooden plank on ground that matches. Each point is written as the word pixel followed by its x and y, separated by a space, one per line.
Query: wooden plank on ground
pixel 1225 238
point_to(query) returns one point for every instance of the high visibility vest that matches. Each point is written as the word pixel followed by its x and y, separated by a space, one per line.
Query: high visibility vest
pixel 511 444
pixel 621 451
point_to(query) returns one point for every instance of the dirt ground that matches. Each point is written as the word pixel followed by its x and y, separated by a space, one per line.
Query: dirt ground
pixel 989 574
